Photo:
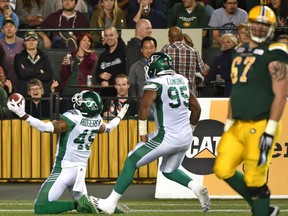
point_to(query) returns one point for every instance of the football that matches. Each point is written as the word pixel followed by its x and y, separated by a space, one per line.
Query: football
pixel 16 97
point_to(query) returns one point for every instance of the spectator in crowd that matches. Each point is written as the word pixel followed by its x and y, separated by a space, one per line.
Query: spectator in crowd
pixel 133 6
pixel 6 12
pixel 76 67
pixel 5 87
pixel 143 29
pixel 137 74
pixel 67 17
pixel 106 14
pixel 228 16
pixel 12 45
pixel 283 38
pixel 37 106
pixel 5 83
pixel 30 13
pixel 146 11
pixel 242 34
pixel 112 61
pixel 221 66
pixel 113 107
pixel 280 7
pixel 188 14
pixel 32 63
pixel 186 60
pixel 208 4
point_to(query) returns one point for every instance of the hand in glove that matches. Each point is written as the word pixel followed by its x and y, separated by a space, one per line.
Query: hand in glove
pixel 265 144
pixel 228 124
pixel 18 109
pixel 123 111
pixel 266 140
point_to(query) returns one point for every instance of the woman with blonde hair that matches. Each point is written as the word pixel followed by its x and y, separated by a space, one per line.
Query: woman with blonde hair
pixel 221 66
pixel 107 13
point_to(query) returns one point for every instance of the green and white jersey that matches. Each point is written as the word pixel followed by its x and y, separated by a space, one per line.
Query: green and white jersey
pixel 171 111
pixel 251 93
pixel 73 146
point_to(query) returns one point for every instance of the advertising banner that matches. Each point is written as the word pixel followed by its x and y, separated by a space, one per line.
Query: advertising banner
pixel 199 160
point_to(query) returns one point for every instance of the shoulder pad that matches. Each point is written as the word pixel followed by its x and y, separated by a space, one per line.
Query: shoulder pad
pixel 150 86
pixel 278 46
pixel 73 112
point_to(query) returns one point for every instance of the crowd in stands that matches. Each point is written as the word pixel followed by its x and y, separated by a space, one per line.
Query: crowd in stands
pixel 24 66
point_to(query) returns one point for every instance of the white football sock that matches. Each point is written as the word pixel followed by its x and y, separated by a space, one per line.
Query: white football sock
pixel 192 185
pixel 114 197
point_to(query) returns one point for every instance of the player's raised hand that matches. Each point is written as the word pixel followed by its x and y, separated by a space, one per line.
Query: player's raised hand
pixel 123 111
pixel 17 108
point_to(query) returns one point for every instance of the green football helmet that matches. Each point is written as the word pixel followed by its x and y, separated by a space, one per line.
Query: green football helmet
pixel 89 103
pixel 158 64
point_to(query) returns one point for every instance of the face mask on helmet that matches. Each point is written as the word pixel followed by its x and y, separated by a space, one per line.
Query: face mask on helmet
pixel 261 23
pixel 158 64
pixel 89 103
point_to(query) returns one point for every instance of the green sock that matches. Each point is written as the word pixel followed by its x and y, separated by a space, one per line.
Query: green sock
pixel 261 206
pixel 178 176
pixel 238 184
pixel 54 207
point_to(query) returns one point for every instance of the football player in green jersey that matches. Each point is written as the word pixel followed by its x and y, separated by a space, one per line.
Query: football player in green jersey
pixel 77 128
pixel 258 97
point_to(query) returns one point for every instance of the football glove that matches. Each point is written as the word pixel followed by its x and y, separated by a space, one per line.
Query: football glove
pixel 228 124
pixel 18 109
pixel 265 144
pixel 123 111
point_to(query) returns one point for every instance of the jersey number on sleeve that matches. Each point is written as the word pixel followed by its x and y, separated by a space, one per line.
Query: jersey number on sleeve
pixel 81 139
pixel 248 62
pixel 178 95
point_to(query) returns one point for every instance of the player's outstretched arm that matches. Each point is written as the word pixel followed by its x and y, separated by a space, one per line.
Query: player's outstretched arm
pixel 51 127
pixel 111 125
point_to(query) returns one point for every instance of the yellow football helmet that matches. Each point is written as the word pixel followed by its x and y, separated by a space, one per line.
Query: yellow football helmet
pixel 261 14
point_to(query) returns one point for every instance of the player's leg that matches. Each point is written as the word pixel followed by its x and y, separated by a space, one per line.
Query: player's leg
pixel 170 169
pixel 47 201
pixel 256 176
pixel 229 156
pixel 142 154
pixel 50 191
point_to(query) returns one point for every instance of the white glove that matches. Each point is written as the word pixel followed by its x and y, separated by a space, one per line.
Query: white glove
pixel 228 124
pixel 193 127
pixel 18 109
pixel 123 111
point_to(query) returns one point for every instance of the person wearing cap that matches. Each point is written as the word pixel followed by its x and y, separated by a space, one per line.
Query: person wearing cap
pixel 32 63
pixel 6 12
pixel 12 45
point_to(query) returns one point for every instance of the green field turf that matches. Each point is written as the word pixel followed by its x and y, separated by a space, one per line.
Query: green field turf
pixel 155 207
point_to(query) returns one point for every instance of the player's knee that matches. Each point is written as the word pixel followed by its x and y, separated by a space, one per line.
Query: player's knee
pixel 223 173
pixel 259 192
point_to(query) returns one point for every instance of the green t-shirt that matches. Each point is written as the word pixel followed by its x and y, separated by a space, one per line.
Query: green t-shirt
pixel 179 16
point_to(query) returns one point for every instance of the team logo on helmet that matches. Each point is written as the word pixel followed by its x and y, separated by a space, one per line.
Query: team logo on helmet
pixel 89 103
pixel 158 64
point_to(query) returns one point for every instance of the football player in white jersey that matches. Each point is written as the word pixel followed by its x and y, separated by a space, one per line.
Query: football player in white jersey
pixel 78 128
pixel 176 112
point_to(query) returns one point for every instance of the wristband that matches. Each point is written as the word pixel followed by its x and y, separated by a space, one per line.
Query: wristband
pixel 271 127
pixel 193 127
pixel 143 127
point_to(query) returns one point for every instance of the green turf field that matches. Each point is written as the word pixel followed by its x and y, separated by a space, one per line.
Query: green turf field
pixel 156 207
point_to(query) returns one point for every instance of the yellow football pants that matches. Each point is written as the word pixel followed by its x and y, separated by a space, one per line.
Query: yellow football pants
pixel 241 144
